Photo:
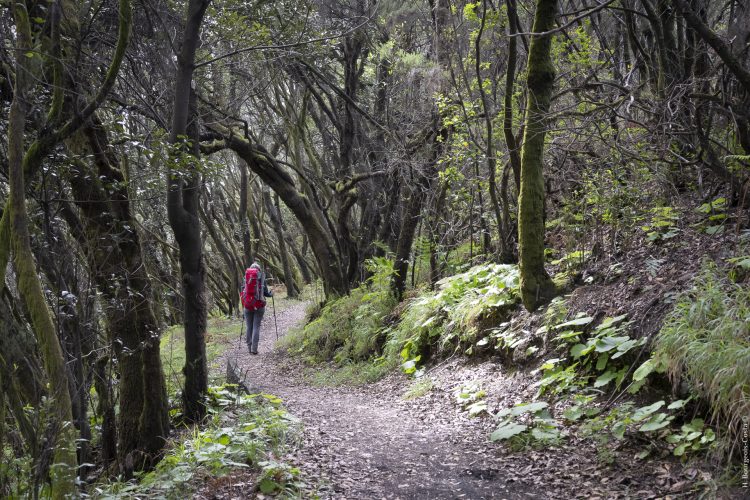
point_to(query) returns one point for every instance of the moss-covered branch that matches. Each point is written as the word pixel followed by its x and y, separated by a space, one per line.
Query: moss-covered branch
pixel 64 468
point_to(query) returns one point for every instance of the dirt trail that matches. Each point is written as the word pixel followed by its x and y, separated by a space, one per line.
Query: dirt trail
pixel 369 443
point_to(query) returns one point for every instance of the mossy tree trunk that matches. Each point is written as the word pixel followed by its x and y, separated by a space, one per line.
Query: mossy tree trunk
pixel 120 275
pixel 274 212
pixel 64 467
pixel 536 285
pixel 183 205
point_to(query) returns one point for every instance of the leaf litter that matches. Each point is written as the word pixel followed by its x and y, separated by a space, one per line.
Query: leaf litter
pixel 371 442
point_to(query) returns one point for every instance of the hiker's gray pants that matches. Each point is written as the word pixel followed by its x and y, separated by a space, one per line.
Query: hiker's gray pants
pixel 252 325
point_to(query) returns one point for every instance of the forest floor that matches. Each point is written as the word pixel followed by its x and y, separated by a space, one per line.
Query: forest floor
pixel 372 442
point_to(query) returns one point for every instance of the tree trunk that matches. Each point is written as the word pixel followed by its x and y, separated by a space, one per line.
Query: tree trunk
pixel 247 249
pixel 118 270
pixel 536 285
pixel 64 467
pixel 502 223
pixel 510 79
pixel 183 202
pixel 274 213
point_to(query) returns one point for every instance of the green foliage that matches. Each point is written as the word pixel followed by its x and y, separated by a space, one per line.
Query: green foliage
pixel 222 334
pixel 471 398
pixel 463 310
pixel 349 329
pixel 598 357
pixel 714 214
pixel 692 437
pixel 605 205
pixel 662 225
pixel 572 261
pixel 244 431
pixel 527 424
pixel 418 388
pixel 740 268
pixel 705 341
pixel 653 420
pixel 278 478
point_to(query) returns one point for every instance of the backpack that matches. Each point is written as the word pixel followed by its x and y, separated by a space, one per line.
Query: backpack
pixel 252 293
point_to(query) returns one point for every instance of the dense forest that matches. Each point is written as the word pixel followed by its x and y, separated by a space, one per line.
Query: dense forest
pixel 558 189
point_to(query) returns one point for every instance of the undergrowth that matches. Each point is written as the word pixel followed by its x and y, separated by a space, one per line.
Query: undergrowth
pixel 460 312
pixel 586 386
pixel 243 432
pixel 349 330
pixel 705 341
pixel 360 334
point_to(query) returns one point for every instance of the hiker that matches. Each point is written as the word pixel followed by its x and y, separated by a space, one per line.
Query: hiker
pixel 253 299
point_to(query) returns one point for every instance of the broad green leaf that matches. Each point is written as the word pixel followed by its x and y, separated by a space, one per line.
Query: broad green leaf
pixel 610 321
pixel 507 430
pixel 625 347
pixel 656 422
pixel 644 411
pixel 676 405
pixel 573 413
pixel 585 320
pixel 606 344
pixel 693 435
pixel 577 350
pixel 695 425
pixel 618 430
pixel 644 370
pixel 601 362
pixel 545 434
pixel 605 378
pixel 522 408
pixel 708 436
pixel 477 408
pixel 503 413
pixel 568 334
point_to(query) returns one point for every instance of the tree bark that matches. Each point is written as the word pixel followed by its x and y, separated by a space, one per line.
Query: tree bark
pixel 64 467
pixel 274 213
pixel 310 217
pixel 721 48
pixel 536 285
pixel 183 203
pixel 117 266
pixel 502 223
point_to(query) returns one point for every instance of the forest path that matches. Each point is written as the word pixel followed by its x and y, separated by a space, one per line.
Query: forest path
pixel 369 443
pixel 366 442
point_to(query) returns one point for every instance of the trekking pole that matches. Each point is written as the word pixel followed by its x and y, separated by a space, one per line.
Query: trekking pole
pixel 242 327
pixel 275 324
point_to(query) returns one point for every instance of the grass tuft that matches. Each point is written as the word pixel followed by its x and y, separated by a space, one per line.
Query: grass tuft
pixel 706 342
